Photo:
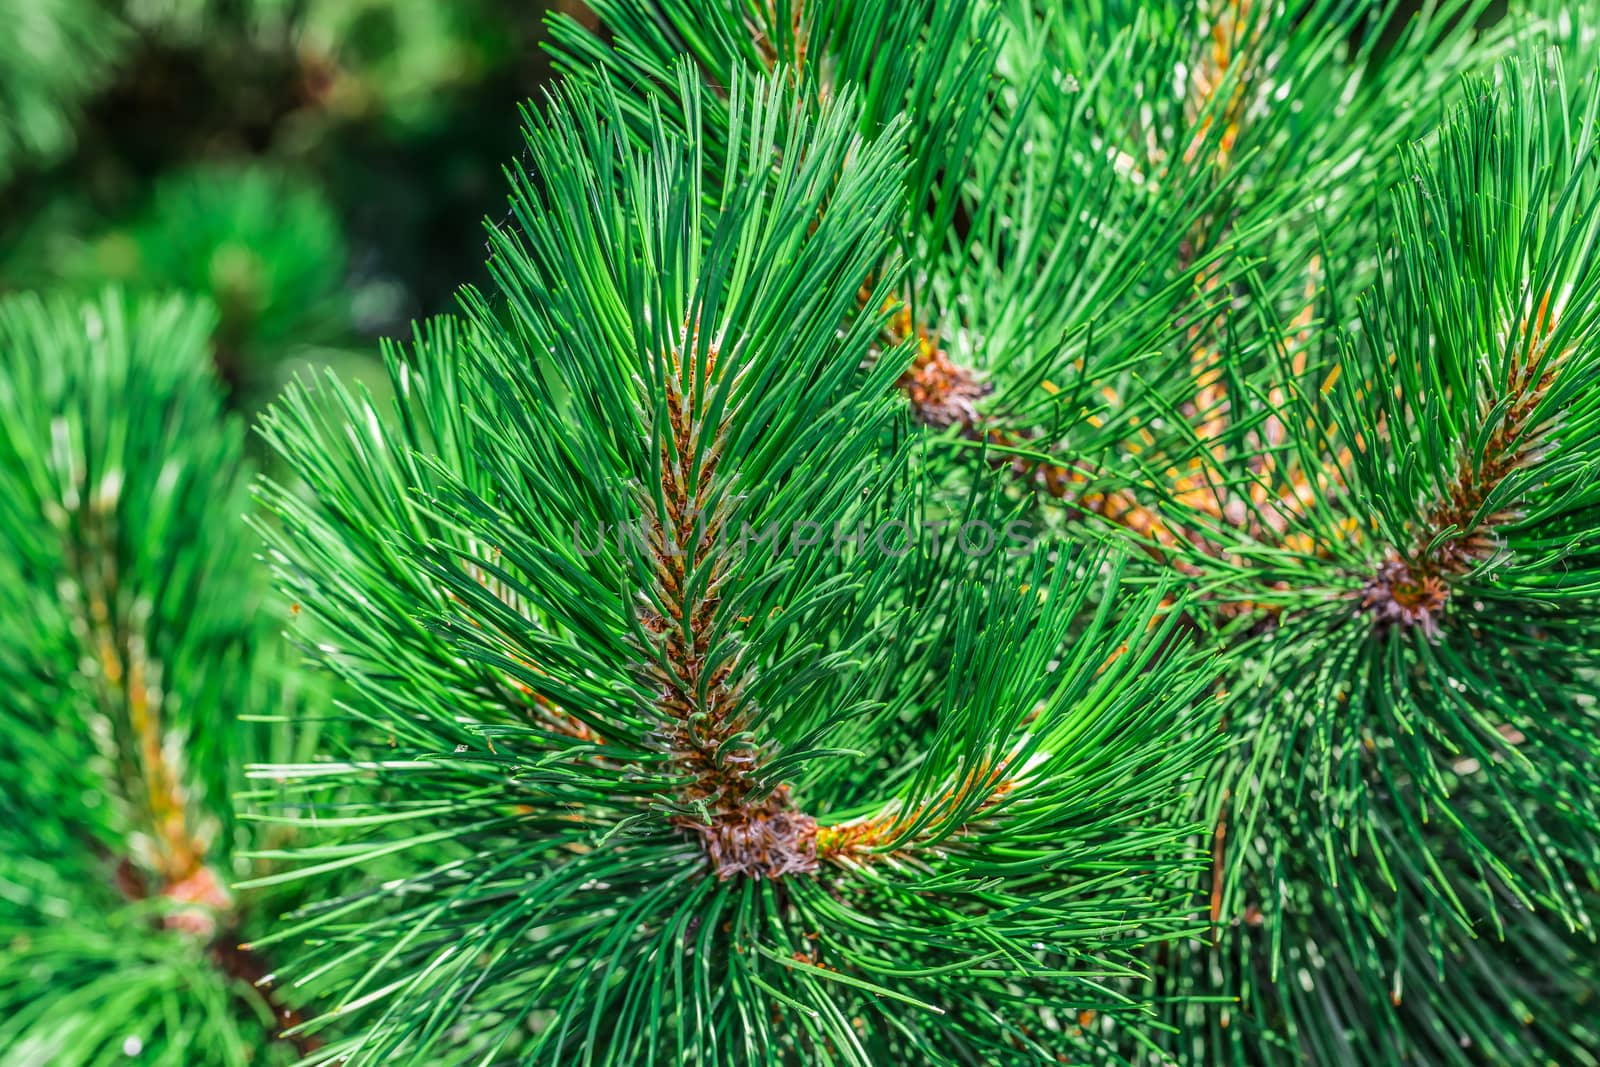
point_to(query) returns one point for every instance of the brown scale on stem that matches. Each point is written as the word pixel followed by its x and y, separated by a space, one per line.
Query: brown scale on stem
pixel 742 829
pixel 179 853
pixel 702 706
pixel 1411 587
pixel 1399 595
pixel 174 848
pixel 941 393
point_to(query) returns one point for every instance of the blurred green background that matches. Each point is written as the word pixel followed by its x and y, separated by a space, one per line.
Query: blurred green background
pixel 318 168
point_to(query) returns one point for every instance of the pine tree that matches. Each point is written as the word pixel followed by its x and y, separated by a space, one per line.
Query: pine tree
pixel 960 532
pixel 136 657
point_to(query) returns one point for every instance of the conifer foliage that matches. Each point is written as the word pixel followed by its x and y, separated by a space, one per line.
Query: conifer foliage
pixel 701 755
pixel 136 653
pixel 1417 769
pixel 958 533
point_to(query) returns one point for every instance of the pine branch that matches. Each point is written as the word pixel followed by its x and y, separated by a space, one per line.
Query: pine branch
pixel 1237 485
pixel 1417 699
pixel 122 482
pixel 707 786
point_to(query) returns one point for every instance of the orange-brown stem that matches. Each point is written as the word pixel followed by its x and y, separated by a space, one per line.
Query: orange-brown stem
pixel 864 837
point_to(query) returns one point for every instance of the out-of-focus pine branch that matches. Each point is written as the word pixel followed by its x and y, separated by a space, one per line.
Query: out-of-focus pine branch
pixel 145 645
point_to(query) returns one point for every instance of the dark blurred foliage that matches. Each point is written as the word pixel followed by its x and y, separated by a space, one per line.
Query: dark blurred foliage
pixel 318 168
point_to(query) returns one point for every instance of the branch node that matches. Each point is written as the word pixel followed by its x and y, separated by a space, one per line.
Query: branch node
pixel 1400 595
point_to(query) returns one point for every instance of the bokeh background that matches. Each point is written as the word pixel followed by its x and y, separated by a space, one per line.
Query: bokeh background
pixel 320 169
